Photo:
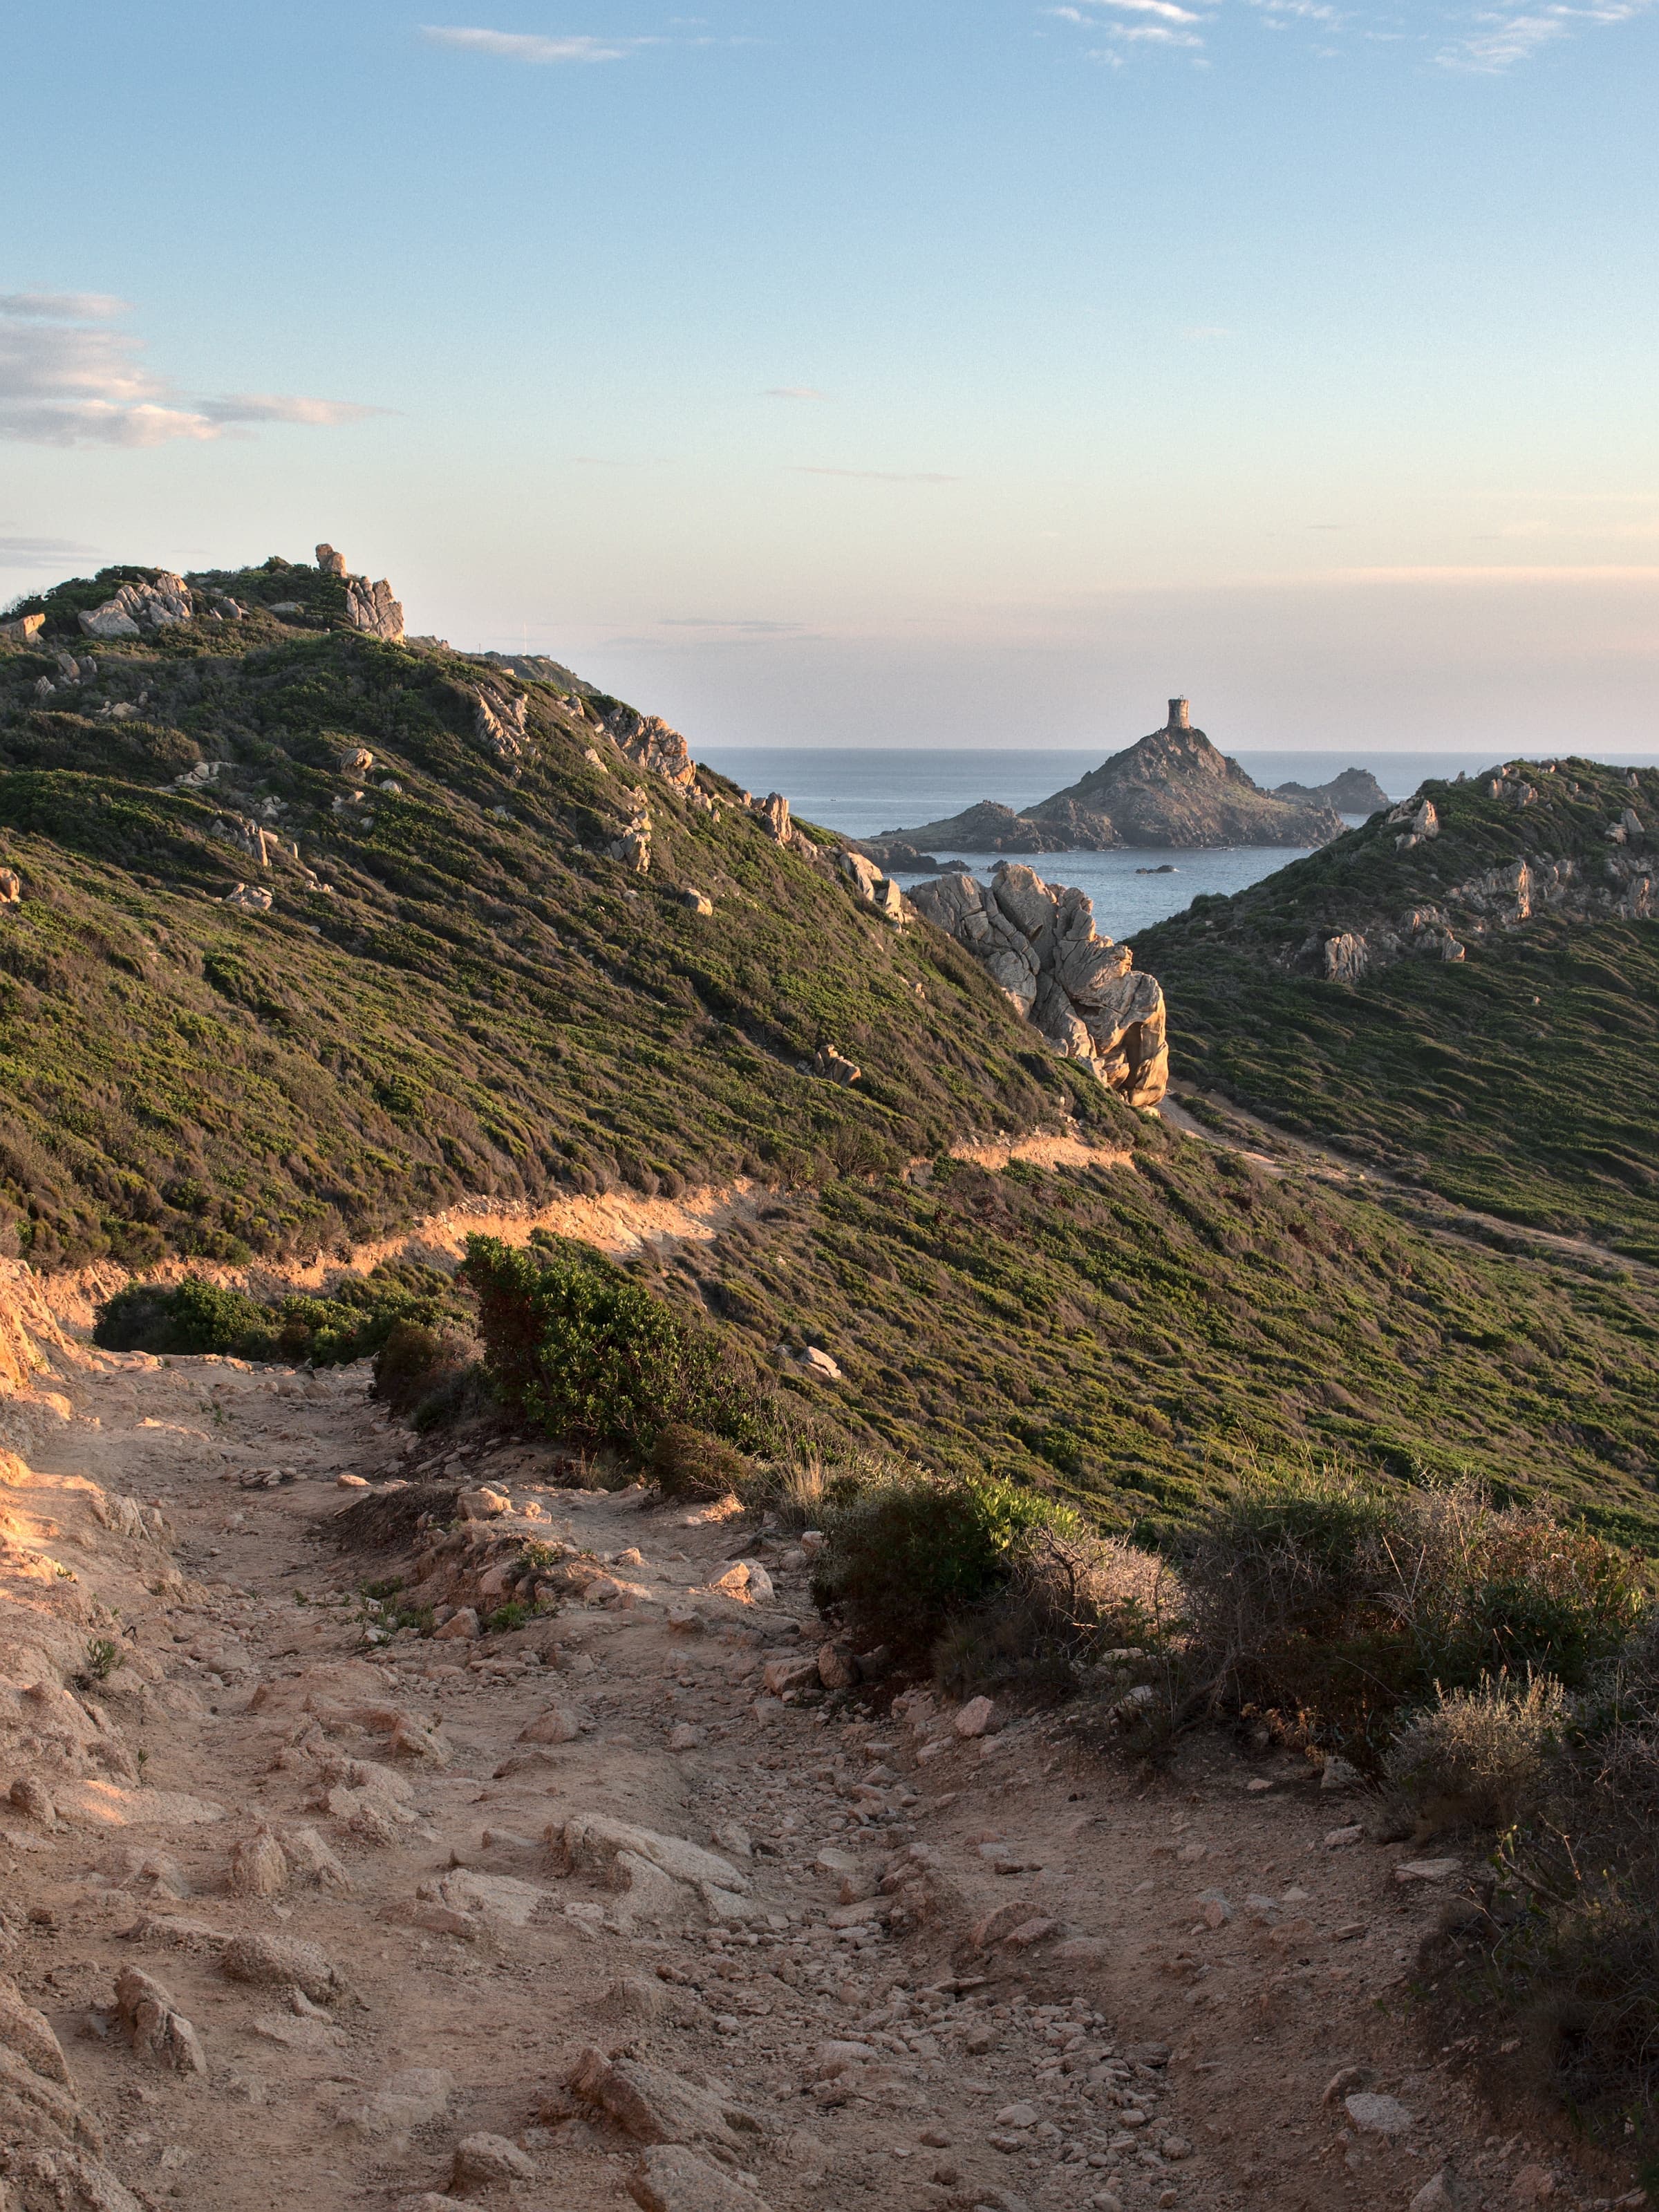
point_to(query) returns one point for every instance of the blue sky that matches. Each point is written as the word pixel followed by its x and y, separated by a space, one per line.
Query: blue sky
pixel 949 371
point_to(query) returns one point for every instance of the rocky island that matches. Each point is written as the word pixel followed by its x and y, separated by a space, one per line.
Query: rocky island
pixel 1172 787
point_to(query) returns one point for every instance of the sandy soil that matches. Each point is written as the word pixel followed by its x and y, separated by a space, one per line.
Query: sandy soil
pixel 919 1970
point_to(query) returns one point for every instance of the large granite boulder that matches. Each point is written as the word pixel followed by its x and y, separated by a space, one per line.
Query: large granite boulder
pixel 1039 944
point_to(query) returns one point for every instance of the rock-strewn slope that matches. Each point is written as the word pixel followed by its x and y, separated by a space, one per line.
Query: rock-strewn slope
pixel 1039 944
pixel 1172 788
pixel 304 931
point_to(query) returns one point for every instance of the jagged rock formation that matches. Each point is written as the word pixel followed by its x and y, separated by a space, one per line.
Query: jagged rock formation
pixel 157 604
pixel 1172 788
pixel 372 609
pixel 1040 946
pixel 1356 791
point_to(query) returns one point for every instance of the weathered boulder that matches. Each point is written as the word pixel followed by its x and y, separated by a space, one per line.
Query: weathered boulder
pixel 250 897
pixel 671 2179
pixel 371 608
pixel 655 2107
pixel 650 744
pixel 1346 957
pixel 633 846
pixel 835 1065
pixel 331 562
pixel 1039 945
pixel 154 2023
pixel 500 718
pixel 22 630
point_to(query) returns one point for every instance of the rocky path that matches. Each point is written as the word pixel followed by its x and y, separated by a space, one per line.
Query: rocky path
pixel 622 1903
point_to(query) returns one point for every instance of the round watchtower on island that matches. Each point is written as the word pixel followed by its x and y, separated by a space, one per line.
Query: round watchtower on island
pixel 1180 718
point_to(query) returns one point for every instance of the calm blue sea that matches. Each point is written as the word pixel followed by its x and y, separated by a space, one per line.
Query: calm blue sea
pixel 863 791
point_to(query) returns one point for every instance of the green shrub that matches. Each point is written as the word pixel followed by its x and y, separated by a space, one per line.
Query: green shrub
pixel 1477 1757
pixel 354 1320
pixel 410 1362
pixel 912 1553
pixel 688 1463
pixel 1070 1599
pixel 1339 1604
pixel 190 1317
pixel 594 1359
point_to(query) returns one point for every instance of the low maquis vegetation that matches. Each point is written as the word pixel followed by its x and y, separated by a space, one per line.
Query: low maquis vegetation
pixel 1517 1079
pixel 457 987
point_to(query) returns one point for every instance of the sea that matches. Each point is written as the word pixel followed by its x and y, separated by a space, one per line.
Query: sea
pixel 860 790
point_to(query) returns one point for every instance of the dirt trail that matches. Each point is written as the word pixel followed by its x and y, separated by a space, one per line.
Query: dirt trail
pixel 873 1962
pixel 1275 1150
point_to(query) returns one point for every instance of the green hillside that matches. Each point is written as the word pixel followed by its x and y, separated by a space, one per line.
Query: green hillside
pixel 1129 1336
pixel 1522 1080
pixel 456 987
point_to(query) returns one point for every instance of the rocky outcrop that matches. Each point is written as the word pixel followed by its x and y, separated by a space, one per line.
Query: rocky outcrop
pixel 11 887
pixel 372 609
pixel 1171 788
pixel 1356 791
pixel 1488 903
pixel 331 562
pixel 1039 945
pixel 500 720
pixel 650 744
pixel 872 886
pixel 22 630
pixel 158 604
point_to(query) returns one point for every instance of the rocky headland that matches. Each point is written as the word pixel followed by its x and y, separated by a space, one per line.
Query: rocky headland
pixel 1356 791
pixel 1171 788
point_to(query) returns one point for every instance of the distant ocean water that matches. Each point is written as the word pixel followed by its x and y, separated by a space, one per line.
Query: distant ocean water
pixel 861 791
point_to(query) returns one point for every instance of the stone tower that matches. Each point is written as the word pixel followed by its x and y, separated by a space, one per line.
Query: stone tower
pixel 1180 718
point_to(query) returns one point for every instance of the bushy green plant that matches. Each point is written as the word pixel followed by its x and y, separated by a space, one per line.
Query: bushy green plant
pixel 911 1552
pixel 594 1358
pixel 1478 1756
pixel 1343 1602
pixel 688 1463
pixel 355 1319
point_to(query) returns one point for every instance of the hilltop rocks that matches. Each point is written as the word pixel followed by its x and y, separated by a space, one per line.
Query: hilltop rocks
pixel 22 630
pixel 159 604
pixel 875 889
pixel 1040 946
pixel 633 846
pixel 331 562
pixel 372 609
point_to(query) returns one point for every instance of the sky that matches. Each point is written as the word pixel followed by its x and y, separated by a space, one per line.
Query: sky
pixel 926 372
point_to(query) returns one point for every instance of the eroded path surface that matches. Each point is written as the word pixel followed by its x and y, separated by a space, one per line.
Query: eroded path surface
pixel 620 1905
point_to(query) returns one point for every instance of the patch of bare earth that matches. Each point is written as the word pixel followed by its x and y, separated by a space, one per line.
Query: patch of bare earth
pixel 611 1907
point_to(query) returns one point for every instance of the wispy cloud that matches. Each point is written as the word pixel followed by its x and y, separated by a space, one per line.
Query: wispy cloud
pixel 33 552
pixel 1166 9
pixel 68 378
pixel 1501 39
pixel 528 46
pixel 793 391
pixel 880 475
pixel 62 306
pixel 1148 34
